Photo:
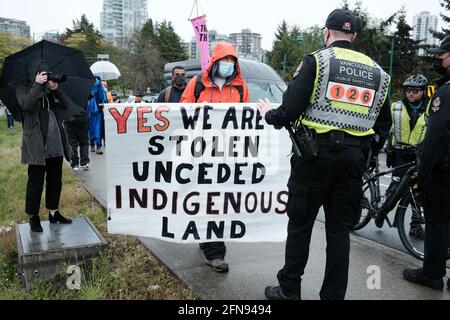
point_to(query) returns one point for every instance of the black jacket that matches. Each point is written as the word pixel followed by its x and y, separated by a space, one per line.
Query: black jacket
pixel 437 141
pixel 297 96
pixel 36 117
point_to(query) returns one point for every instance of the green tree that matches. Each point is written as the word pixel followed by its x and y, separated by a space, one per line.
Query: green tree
pixel 143 65
pixel 167 40
pixel 445 30
pixel 148 30
pixel 372 38
pixel 406 60
pixel 9 45
pixel 85 37
pixel 291 46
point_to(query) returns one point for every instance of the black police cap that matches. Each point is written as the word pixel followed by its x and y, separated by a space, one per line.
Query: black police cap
pixel 139 94
pixel 444 47
pixel 342 20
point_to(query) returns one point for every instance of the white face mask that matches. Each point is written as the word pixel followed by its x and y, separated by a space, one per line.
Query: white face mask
pixel 226 69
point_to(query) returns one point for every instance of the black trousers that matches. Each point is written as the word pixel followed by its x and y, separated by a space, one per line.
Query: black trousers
pixel 333 181
pixel 77 132
pixel 52 173
pixel 214 250
pixel 437 227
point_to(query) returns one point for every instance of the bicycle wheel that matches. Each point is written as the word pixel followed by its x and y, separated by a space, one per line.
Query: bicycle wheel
pixel 407 211
pixel 366 203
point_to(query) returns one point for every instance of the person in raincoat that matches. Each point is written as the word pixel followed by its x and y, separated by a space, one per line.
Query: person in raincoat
pixel 95 116
pixel 222 82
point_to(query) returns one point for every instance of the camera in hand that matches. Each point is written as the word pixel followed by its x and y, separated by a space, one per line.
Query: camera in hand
pixel 55 77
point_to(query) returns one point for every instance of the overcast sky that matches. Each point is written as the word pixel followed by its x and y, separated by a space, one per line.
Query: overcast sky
pixel 226 17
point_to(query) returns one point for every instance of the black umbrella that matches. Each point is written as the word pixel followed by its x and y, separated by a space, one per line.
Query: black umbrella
pixel 61 60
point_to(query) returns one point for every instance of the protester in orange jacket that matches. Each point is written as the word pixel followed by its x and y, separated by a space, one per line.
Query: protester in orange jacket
pixel 222 82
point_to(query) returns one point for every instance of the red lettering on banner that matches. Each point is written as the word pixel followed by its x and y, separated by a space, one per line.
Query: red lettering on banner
pixel 164 120
pixel 121 119
pixel 142 120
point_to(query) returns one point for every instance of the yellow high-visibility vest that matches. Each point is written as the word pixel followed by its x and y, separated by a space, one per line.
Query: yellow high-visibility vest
pixel 349 91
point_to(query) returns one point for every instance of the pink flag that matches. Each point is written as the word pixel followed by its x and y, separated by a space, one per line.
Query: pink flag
pixel 202 36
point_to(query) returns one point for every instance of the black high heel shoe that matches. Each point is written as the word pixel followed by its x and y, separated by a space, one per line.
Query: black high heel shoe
pixel 35 224
pixel 58 217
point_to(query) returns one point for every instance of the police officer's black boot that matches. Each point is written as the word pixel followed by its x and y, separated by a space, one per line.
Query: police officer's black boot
pixel 417 276
pixel 276 293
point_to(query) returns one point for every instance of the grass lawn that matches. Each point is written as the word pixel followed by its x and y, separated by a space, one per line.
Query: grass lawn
pixel 124 270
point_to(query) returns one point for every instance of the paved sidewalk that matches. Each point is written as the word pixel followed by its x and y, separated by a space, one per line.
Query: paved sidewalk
pixel 254 266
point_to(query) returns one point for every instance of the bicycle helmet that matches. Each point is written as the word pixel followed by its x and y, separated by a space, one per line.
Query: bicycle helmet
pixel 416 81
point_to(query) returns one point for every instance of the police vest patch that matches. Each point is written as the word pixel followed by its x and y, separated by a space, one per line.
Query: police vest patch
pixel 353 82
pixel 436 104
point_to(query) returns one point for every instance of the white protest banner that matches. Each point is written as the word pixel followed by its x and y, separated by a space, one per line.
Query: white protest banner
pixel 189 174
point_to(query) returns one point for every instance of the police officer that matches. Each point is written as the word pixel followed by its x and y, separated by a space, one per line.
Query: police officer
pixel 408 127
pixel 434 179
pixel 341 95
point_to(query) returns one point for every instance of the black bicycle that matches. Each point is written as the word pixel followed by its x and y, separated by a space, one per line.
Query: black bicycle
pixel 406 199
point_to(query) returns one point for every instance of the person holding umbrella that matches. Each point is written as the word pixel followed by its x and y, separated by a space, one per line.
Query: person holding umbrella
pixel 44 85
pixel 44 143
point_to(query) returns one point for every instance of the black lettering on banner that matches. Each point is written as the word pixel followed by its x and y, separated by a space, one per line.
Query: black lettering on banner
pixel 191 230
pixel 194 149
pixel 247 202
pixel 259 118
pixel 247 117
pixel 154 144
pixel 163 171
pixel 163 195
pixel 250 147
pixel 218 230
pixel 282 202
pixel 265 209
pixel 190 122
pixel 238 173
pixel 206 124
pixel 179 140
pixel 165 229
pixel 174 202
pixel 141 176
pixel 210 203
pixel 118 197
pixel 232 147
pixel 135 197
pixel 234 200
pixel 223 173
pixel 196 205
pixel 202 173
pixel 180 168
pixel 230 116
pixel 215 148
pixel 234 232
pixel 262 170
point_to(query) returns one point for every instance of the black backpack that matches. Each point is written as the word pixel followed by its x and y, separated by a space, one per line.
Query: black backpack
pixel 199 87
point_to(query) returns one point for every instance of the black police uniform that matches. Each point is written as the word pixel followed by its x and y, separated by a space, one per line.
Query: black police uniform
pixel 435 176
pixel 333 181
